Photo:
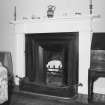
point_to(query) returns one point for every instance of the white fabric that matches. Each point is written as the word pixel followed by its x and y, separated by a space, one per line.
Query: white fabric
pixel 3 84
pixel 99 86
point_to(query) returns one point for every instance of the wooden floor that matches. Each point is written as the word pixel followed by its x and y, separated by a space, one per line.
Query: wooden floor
pixel 28 99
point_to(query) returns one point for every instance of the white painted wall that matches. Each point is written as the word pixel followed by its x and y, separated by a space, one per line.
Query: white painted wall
pixel 27 8
pixel 99 9
pixel 7 38
pixel 6 29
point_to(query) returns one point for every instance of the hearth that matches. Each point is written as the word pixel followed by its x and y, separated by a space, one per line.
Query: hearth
pixel 51 64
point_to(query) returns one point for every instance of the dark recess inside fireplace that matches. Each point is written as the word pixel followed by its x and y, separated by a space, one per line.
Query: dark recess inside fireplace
pixel 51 64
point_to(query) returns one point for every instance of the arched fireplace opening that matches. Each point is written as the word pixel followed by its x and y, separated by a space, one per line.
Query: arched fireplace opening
pixel 51 64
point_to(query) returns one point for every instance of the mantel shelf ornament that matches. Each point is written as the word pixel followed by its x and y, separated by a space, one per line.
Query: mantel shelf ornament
pixel 50 11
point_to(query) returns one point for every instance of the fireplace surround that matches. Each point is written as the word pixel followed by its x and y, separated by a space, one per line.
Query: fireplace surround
pixel 73 26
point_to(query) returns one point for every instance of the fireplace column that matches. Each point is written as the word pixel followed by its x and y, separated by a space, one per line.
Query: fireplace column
pixel 20 57
pixel 84 60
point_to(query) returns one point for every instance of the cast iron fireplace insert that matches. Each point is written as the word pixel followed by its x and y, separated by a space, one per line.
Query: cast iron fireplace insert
pixel 51 64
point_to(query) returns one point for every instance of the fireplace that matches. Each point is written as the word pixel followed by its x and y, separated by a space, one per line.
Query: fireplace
pixel 52 70
pixel 51 63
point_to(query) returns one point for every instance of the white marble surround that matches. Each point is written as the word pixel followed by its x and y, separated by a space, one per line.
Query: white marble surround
pixel 74 24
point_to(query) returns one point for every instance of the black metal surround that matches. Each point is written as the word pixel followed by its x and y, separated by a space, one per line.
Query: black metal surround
pixel 35 80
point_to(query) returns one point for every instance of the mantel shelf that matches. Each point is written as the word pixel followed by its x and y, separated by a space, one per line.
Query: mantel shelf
pixel 72 18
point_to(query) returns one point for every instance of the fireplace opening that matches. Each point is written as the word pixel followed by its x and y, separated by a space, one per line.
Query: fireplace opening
pixel 55 68
pixel 51 64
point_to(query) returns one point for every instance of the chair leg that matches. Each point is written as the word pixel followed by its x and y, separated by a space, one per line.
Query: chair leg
pixel 90 87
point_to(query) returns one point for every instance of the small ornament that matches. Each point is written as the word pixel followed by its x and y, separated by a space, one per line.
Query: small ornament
pixel 15 15
pixel 50 11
